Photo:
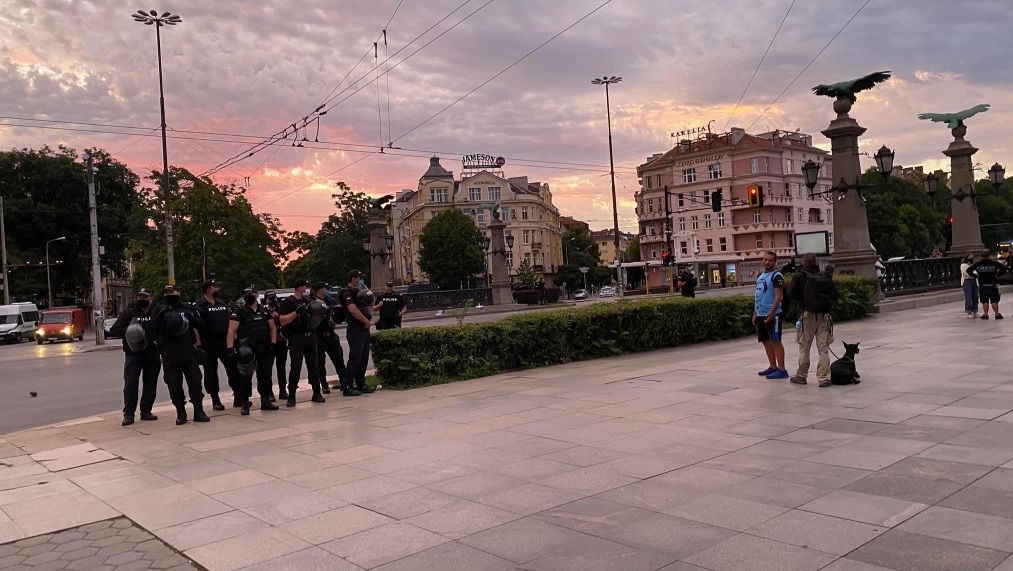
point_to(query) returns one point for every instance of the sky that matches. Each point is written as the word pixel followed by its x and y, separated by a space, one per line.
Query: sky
pixel 238 72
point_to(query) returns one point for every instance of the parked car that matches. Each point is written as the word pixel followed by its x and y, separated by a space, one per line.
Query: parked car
pixel 580 294
pixel 18 321
pixel 607 291
pixel 61 323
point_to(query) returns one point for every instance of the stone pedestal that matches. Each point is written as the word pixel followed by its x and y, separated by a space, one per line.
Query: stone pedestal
pixel 379 272
pixel 853 253
pixel 501 294
pixel 966 229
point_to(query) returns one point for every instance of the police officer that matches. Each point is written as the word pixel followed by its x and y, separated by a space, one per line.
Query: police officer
pixel 358 305
pixel 328 344
pixel 253 325
pixel 302 341
pixel 391 306
pixel 215 315
pixel 141 363
pixel 176 330
pixel 280 346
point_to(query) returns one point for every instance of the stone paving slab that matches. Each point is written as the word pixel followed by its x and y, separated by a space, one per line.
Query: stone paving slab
pixel 682 460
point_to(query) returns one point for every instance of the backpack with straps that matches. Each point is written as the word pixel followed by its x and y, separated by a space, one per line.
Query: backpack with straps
pixel 818 293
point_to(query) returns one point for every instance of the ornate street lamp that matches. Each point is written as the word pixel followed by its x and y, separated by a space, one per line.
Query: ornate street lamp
pixel 365 244
pixel 996 175
pixel 510 241
pixel 811 170
pixel 884 161
pixel 486 242
pixel 389 242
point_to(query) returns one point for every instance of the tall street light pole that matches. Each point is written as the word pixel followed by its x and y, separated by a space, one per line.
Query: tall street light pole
pixel 606 81
pixel 166 19
pixel 49 284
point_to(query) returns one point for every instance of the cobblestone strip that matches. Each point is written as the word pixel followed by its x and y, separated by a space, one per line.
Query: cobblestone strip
pixel 110 545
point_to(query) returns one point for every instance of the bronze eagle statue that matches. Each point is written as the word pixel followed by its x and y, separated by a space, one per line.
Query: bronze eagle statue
pixel 848 89
pixel 954 120
pixel 378 203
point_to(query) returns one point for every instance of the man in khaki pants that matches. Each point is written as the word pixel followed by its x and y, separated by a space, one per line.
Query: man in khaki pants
pixel 816 291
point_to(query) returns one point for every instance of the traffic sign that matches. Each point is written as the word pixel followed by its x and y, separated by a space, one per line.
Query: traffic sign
pixel 584 269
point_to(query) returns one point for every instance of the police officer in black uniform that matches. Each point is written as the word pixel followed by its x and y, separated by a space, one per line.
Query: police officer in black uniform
pixel 359 322
pixel 138 364
pixel 391 306
pixel 280 346
pixel 302 342
pixel 215 315
pixel 178 348
pixel 328 344
pixel 253 325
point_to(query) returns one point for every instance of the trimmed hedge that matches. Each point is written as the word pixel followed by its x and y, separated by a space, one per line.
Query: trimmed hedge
pixel 427 355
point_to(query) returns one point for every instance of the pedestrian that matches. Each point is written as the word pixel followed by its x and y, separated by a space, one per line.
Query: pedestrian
pixel 358 303
pixel 816 291
pixel 687 283
pixel 329 346
pixel 302 341
pixel 215 315
pixel 140 358
pixel 970 285
pixel 988 272
pixel 176 330
pixel 280 346
pixel 540 286
pixel 767 316
pixel 392 307
pixel 251 325
pixel 936 252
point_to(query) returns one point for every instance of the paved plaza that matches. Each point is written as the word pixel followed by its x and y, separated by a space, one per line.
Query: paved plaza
pixel 682 460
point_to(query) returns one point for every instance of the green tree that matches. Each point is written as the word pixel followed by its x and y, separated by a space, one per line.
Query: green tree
pixel 995 213
pixel 46 196
pixel 448 251
pixel 903 220
pixel 216 221
pixel 580 250
pixel 634 275
pixel 526 275
pixel 336 249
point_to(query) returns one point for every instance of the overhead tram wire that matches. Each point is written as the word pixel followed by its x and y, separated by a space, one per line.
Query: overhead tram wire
pixel 755 71
pixel 813 60
pixel 506 69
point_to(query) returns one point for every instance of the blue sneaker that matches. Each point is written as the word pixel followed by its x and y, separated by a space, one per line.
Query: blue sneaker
pixel 778 374
pixel 766 371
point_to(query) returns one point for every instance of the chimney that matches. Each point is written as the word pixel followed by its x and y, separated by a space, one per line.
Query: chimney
pixel 737 135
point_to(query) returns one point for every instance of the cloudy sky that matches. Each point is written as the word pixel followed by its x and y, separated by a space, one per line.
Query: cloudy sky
pixel 237 71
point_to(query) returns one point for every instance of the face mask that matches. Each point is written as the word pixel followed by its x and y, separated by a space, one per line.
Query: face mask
pixel 143 304
pixel 361 283
pixel 250 299
pixel 214 294
pixel 172 299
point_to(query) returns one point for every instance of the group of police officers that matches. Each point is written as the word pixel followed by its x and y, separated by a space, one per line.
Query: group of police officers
pixel 248 338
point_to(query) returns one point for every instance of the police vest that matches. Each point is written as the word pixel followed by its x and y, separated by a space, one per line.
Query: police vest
pixel 255 326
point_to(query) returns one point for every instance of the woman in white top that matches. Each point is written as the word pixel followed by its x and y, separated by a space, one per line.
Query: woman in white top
pixel 970 285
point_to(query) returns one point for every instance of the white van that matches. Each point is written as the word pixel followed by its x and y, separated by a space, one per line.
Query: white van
pixel 18 321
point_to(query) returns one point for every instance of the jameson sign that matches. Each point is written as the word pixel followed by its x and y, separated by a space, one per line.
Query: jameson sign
pixel 483 162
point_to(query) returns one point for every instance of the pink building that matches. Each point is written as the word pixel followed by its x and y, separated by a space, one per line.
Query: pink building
pixel 728 246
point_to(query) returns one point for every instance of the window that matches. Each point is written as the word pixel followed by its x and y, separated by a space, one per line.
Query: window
pixel 721 219
pixel 756 216
pixel 649 181
pixel 527 257
pixel 654 254
pixel 475 194
pixel 505 213
pixel 481 216
pixel 830 215
pixel 759 241
pixel 766 164
pixel 723 244
pixel 683 248
pixel 681 200
pixel 433 213
pixel 710 245
pixel 789 166
pixel 831 237
pixel 707 197
pixel 437 195
pixel 659 181
pixel 787 190
pixel 694 223
pixel 524 212
pixel 527 236
pixel 682 224
pixel 688 175
pixel 706 221
pixel 754 166
pixel 772 215
pixel 510 258
pixel 714 171
pixel 791 240
pixel 494 194
pixel 650 208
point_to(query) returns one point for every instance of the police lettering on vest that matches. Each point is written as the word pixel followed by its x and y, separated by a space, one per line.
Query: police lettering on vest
pixel 216 317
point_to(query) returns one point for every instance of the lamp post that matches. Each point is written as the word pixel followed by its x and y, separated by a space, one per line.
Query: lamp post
pixel 566 251
pixel 49 286
pixel 606 81
pixel 166 19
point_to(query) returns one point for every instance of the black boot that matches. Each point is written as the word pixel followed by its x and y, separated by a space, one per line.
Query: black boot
pixel 266 404
pixel 216 404
pixel 317 397
pixel 198 414
pixel 148 416
pixel 127 420
pixel 325 387
pixel 180 415
pixel 282 394
pixel 245 407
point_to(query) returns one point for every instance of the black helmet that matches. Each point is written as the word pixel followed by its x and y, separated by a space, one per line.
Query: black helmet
pixel 175 324
pixel 318 312
pixel 246 360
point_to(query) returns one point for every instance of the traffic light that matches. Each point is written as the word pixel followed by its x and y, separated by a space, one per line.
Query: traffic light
pixel 716 200
pixel 667 259
pixel 754 195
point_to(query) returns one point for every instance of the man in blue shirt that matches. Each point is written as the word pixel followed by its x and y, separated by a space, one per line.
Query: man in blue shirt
pixel 767 316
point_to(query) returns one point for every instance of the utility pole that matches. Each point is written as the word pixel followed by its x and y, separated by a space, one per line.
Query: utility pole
pixel 3 256
pixel 96 267
pixel 669 240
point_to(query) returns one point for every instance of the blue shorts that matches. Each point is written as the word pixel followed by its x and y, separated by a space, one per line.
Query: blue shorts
pixel 768 331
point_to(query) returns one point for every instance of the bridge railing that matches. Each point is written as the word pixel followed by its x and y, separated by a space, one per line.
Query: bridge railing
pixel 903 277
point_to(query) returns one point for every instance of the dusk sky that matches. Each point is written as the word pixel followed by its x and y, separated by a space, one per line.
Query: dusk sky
pixel 248 69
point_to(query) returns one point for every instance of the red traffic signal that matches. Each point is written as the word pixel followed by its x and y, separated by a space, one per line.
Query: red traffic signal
pixel 754 195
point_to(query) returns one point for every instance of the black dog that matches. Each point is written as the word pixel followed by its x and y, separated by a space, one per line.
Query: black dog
pixel 843 371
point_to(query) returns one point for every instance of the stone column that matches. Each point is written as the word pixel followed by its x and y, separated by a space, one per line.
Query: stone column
pixel 379 272
pixel 966 230
pixel 853 253
pixel 501 294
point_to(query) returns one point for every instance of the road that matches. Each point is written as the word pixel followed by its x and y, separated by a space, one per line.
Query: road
pixel 74 385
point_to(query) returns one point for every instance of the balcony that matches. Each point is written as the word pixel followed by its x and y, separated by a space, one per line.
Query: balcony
pixel 536 245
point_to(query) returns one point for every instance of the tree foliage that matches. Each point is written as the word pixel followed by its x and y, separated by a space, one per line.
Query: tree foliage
pixel 634 275
pixel 995 212
pixel 580 250
pixel 526 275
pixel 903 220
pixel 46 196
pixel 336 248
pixel 448 250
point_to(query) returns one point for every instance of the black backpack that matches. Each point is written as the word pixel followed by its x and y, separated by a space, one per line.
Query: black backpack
pixel 819 293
